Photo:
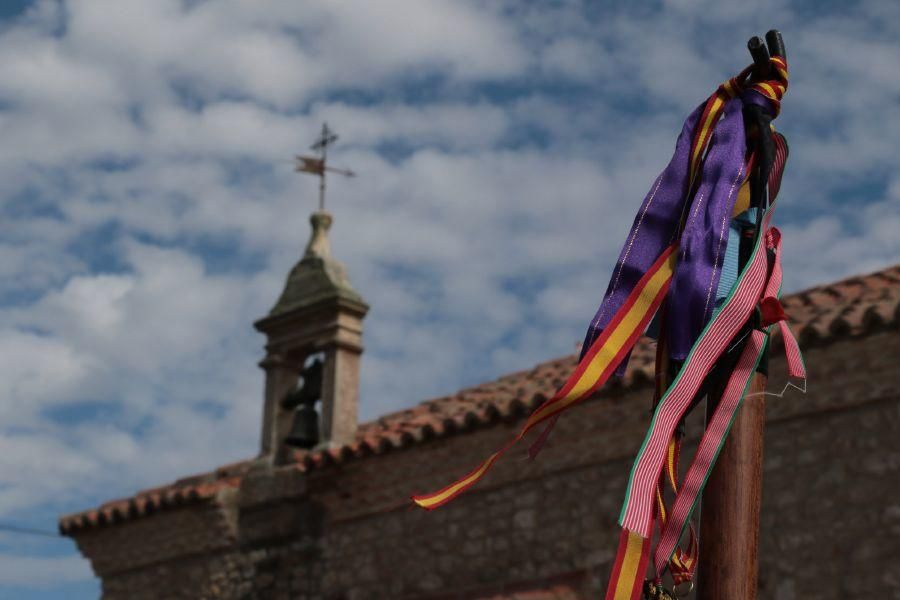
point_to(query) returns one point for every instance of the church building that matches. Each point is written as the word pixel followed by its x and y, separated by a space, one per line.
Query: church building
pixel 323 511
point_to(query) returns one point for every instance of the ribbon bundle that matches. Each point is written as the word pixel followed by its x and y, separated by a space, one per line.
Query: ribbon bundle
pixel 680 260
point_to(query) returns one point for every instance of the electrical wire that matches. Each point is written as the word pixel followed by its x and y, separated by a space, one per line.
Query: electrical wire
pixel 8 528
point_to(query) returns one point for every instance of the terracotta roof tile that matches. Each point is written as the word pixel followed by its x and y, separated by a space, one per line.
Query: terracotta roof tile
pixel 143 503
pixel 852 306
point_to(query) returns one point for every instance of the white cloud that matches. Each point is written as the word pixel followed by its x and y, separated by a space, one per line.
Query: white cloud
pixel 822 245
pixel 36 370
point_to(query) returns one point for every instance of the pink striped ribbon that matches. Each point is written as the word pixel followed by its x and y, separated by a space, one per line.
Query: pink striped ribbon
pixel 796 368
pixel 720 424
pixel 637 511
pixel 710 446
pixel 781 153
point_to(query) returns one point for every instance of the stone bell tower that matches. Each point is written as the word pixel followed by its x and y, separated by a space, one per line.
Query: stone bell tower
pixel 318 317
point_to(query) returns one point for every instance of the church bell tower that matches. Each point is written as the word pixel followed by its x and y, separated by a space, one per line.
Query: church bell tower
pixel 314 343
pixel 314 340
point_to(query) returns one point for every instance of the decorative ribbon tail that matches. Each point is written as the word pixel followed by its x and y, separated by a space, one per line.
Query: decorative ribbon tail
pixel 710 446
pixel 595 368
pixel 627 579
pixel 445 495
pixel 796 366
pixel 538 444
pixel 771 311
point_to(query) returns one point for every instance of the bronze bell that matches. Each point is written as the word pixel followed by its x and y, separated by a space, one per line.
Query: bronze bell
pixel 305 429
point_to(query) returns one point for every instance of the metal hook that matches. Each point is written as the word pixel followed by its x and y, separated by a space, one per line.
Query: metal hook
pixel 683 589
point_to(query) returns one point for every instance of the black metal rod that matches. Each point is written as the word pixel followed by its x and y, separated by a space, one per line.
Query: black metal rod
pixel 760 56
pixel 775 43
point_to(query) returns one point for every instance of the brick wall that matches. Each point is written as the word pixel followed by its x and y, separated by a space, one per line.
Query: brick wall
pixel 830 519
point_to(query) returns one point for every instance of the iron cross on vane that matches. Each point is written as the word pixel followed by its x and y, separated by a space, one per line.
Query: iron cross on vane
pixel 316 164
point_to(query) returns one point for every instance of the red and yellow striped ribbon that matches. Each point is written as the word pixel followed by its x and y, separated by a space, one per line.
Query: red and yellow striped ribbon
pixel 713 110
pixel 595 368
pixel 774 89
pixel 627 579
pixel 682 562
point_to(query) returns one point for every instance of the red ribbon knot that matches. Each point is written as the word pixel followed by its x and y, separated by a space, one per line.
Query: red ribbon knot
pixel 771 311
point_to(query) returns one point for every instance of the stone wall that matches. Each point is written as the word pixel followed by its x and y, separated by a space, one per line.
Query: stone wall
pixel 831 513
pixel 178 532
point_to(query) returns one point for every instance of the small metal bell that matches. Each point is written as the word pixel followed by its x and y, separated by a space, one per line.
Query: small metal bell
pixel 305 428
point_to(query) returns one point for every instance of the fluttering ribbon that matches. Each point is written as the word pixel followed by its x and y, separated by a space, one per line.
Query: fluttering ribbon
pixel 592 372
pixel 626 582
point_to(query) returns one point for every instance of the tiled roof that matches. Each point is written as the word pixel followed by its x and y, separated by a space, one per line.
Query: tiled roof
pixel 852 306
pixel 188 490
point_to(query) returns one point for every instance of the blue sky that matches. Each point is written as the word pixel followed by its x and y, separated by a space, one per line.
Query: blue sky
pixel 149 212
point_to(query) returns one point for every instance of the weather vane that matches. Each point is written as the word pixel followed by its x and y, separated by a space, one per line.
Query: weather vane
pixel 316 164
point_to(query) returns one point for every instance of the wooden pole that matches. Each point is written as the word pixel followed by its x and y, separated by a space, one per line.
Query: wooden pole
pixel 729 528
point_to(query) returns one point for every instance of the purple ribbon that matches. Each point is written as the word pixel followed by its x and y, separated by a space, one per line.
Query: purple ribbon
pixel 654 229
pixel 702 246
pixel 701 250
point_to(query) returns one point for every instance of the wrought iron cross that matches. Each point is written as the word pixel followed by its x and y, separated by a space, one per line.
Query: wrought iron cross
pixel 316 164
